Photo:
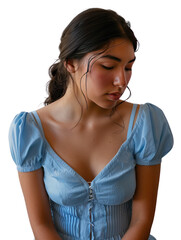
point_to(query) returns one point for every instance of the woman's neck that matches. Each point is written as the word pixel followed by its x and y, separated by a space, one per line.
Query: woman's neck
pixel 73 107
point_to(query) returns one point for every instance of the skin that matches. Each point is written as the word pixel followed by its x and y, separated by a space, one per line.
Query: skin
pixel 108 73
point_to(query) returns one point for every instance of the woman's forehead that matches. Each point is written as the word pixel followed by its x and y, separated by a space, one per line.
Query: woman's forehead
pixel 120 46
pixel 117 49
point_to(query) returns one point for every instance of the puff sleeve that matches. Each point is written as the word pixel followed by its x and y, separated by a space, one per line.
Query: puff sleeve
pixel 26 143
pixel 153 138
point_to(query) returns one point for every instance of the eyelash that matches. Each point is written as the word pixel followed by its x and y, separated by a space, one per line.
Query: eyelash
pixel 128 69
pixel 107 68
pixel 110 68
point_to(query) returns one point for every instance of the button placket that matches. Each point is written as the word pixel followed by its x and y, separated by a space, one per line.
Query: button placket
pixel 91 198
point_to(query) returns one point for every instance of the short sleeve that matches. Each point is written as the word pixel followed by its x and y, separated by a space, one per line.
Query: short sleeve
pixel 26 143
pixel 153 137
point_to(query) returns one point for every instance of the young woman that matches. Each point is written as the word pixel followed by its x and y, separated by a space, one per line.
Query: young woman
pixel 88 162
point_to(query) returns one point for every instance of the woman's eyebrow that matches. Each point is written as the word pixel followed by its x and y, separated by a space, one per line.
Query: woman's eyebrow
pixel 112 58
pixel 116 58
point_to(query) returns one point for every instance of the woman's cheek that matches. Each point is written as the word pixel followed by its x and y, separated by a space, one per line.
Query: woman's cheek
pixel 100 79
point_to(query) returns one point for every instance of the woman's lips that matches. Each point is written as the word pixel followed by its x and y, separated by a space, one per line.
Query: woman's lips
pixel 114 96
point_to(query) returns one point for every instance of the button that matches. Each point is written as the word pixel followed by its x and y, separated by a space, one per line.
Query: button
pixel 90 193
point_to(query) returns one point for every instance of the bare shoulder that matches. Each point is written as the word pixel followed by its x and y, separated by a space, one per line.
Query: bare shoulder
pixel 44 111
pixel 54 113
pixel 124 111
pixel 48 115
pixel 125 108
pixel 127 105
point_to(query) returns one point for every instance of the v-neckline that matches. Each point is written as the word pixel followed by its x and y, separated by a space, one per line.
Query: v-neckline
pixel 66 165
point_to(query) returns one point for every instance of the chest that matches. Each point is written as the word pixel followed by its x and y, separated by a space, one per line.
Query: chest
pixel 113 186
pixel 87 151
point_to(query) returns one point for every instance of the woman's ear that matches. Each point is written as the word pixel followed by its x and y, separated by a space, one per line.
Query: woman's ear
pixel 70 65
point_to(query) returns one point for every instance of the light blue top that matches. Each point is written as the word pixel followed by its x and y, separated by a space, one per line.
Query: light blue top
pixel 99 210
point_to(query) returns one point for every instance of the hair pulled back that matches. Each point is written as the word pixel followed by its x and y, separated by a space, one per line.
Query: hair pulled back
pixel 89 31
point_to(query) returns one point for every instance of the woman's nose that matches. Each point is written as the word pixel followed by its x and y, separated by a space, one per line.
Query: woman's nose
pixel 120 81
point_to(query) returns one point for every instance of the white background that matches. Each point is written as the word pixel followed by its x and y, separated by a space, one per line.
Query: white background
pixel 29 39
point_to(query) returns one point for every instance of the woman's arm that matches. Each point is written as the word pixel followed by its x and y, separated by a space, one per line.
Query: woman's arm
pixel 37 204
pixel 144 202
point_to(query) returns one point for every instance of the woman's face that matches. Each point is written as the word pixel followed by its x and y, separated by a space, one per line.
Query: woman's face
pixel 109 73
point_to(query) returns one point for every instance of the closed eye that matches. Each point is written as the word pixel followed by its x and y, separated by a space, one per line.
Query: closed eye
pixel 128 69
pixel 107 68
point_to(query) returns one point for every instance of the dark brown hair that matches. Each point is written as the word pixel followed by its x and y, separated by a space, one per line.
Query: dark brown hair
pixel 89 31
